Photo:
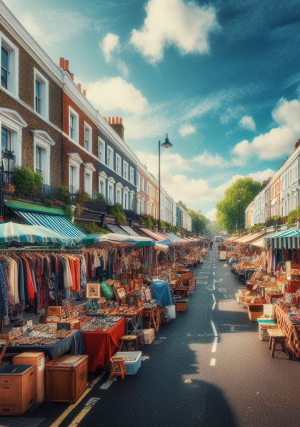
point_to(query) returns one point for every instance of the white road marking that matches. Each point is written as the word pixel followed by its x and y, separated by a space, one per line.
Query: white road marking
pixel 107 384
pixel 214 273
pixel 92 401
pixel 214 304
pixel 214 347
pixel 214 329
pixel 213 362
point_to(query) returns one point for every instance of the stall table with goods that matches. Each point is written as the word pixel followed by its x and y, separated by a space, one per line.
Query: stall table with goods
pixel 287 317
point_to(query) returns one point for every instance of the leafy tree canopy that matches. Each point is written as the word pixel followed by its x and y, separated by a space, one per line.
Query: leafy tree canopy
pixel 230 212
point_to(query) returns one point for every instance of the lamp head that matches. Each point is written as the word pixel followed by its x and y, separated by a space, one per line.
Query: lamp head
pixel 167 143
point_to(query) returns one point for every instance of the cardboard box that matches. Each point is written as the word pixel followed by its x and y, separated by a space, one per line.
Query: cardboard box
pixel 255 311
pixel 149 336
pixel 182 305
pixel 37 360
pixel 17 389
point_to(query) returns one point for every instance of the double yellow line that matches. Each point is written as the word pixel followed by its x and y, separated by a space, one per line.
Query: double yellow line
pixel 83 412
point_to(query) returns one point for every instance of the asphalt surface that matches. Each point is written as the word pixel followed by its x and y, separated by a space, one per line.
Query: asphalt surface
pixel 207 367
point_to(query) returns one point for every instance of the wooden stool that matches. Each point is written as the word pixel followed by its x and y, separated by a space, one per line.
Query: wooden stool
pixel 277 336
pixel 150 319
pixel 118 368
pixel 129 342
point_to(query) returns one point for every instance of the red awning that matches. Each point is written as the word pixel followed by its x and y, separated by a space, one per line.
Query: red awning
pixel 155 235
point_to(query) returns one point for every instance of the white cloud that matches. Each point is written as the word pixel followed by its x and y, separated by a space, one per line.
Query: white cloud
pixel 186 130
pixel 174 22
pixel 115 95
pixel 59 27
pixel 247 123
pixel 109 45
pixel 212 214
pixel 122 67
pixel 169 161
pixel 280 140
pixel 230 114
pixel 209 160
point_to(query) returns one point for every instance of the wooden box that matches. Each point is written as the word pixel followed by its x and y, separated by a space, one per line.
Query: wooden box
pixel 255 311
pixel 66 378
pixel 182 305
pixel 17 389
pixel 68 326
pixel 55 310
pixel 192 284
pixel 149 336
pixel 37 360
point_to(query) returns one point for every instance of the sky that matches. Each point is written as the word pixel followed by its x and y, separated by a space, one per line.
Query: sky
pixel 221 77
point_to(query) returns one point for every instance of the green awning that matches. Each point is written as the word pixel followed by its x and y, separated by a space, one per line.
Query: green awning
pixel 17 205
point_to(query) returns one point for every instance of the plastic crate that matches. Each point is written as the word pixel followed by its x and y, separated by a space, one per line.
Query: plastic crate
pixel 132 366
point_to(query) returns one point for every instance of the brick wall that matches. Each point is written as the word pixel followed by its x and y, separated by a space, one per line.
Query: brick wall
pixel 26 94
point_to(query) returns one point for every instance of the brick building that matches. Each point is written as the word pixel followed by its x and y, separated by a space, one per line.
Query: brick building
pixel 30 101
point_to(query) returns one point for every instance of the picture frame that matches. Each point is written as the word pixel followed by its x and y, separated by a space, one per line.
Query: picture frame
pixel 68 307
pixel 93 290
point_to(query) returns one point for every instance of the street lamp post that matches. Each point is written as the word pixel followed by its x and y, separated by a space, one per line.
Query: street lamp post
pixel 166 144
pixel 239 203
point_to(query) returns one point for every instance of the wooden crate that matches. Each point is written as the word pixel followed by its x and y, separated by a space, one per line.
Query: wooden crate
pixel 37 360
pixel 255 311
pixel 192 284
pixel 17 389
pixel 182 305
pixel 66 378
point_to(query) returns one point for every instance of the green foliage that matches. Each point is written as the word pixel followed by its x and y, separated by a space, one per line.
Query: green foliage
pixel 149 222
pixel 229 211
pixel 183 205
pixel 48 202
pixel 82 196
pixel 91 228
pixel 26 181
pixel 69 212
pixel 63 194
pixel 256 227
pixel 199 222
pixel 134 202
pixel 98 197
pixel 293 217
pixel 118 212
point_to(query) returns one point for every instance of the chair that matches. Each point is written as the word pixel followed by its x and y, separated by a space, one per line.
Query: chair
pixel 129 343
pixel 118 368
pixel 277 336
pixel 8 339
pixel 150 319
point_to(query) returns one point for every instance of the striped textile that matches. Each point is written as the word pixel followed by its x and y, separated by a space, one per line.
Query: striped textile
pixel 57 223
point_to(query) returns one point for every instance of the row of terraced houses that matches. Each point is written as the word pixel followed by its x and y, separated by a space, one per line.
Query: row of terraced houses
pixel 280 194
pixel 52 128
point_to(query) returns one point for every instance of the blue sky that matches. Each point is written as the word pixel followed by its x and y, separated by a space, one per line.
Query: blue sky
pixel 220 77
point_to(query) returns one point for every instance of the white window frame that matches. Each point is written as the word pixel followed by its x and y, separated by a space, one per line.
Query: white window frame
pixel 109 149
pixel 142 184
pixel 119 187
pixel 125 198
pixel 76 115
pixel 13 59
pixel 101 142
pixel 111 184
pixel 138 181
pixel 90 141
pixel 88 188
pixel 12 121
pixel 131 176
pixel 44 141
pixel 102 179
pixel 131 199
pixel 45 94
pixel 125 169
pixel 120 164
pixel 75 161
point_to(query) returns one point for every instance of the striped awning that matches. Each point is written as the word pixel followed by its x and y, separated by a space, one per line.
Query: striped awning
pixel 289 239
pixel 57 223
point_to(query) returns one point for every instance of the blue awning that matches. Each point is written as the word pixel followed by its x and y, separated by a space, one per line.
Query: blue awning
pixel 60 224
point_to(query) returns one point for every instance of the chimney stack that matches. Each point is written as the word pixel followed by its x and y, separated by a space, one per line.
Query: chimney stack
pixel 72 76
pixel 66 65
pixel 117 124
pixel 297 144
pixel 104 118
pixel 84 93
pixel 62 63
pixel 79 86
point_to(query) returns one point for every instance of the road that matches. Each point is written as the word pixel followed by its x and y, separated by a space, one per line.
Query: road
pixel 207 367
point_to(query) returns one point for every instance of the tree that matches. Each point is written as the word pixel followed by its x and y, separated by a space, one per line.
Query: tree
pixel 230 212
pixel 183 205
pixel 199 221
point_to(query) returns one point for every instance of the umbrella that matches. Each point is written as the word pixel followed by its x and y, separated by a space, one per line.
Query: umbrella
pixel 11 232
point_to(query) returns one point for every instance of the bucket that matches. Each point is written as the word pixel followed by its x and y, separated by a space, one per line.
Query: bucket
pixel 171 311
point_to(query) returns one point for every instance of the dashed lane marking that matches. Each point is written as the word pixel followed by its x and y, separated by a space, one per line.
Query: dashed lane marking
pixel 214 347
pixel 107 384
pixel 87 407
pixel 214 304
pixel 213 362
pixel 214 328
